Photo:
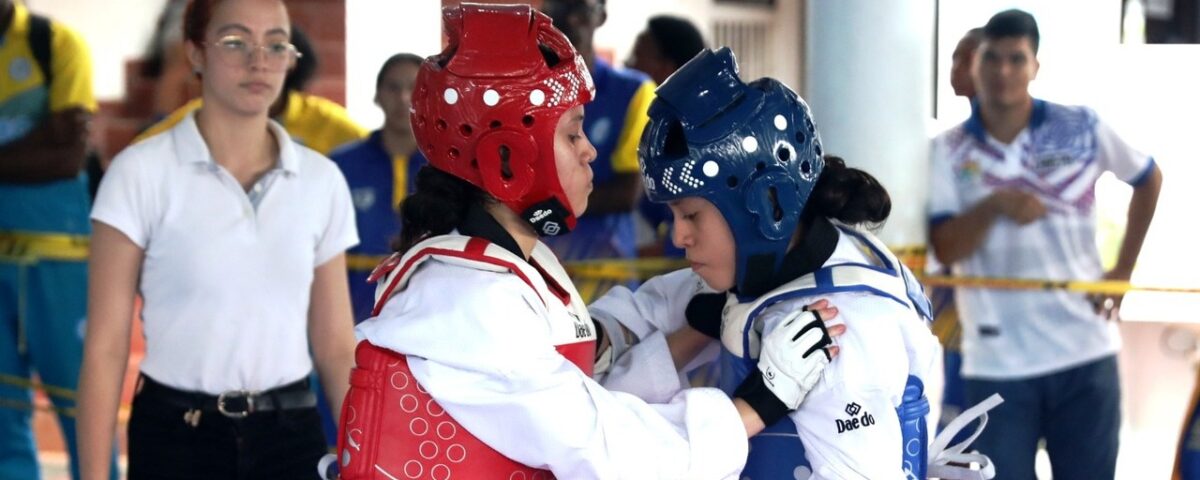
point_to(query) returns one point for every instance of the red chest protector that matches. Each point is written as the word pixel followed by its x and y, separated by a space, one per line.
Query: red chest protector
pixel 392 429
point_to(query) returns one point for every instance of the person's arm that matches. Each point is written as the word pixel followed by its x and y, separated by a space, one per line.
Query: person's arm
pixel 620 193
pixel 331 330
pixel 1141 211
pixel 57 147
pixel 555 417
pixel 1140 171
pixel 113 272
pixel 958 237
pixel 487 356
pixel 54 150
pixel 685 344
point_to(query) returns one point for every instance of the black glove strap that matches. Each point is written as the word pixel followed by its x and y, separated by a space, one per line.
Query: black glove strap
pixel 703 313
pixel 825 341
pixel 600 333
pixel 756 394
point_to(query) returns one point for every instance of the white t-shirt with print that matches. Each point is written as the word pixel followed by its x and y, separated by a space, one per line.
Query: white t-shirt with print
pixel 1009 334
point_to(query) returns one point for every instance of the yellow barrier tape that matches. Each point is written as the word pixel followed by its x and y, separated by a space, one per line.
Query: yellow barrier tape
pixel 643 268
pixel 363 263
pixel 29 407
pixel 51 390
pixel 1100 287
pixel 29 247
pixel 623 269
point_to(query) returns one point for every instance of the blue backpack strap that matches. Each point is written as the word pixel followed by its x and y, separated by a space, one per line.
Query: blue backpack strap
pixel 39 43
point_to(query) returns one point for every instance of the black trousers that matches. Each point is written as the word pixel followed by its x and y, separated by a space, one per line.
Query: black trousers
pixel 280 444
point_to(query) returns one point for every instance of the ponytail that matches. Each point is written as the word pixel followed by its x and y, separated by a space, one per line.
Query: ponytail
pixel 848 195
pixel 437 207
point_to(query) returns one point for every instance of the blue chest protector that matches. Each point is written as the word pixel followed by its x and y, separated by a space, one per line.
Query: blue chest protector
pixel 776 452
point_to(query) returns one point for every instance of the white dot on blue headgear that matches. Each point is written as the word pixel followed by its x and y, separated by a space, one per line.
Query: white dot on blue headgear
pixel 750 144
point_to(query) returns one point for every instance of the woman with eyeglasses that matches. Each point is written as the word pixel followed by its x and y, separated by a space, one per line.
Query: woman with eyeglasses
pixel 234 236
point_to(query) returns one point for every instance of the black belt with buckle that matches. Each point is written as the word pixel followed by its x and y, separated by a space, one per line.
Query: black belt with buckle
pixel 234 403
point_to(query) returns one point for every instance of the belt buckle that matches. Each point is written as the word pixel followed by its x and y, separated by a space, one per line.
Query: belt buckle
pixel 234 394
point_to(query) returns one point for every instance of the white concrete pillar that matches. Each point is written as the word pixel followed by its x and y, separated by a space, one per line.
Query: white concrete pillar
pixel 869 81
pixel 377 30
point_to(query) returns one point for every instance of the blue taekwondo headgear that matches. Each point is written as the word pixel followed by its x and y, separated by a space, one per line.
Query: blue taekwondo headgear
pixel 750 149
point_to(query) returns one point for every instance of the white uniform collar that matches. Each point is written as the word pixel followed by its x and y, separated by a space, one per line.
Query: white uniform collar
pixel 190 146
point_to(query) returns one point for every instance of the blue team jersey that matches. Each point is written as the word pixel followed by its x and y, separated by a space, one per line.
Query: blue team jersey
pixel 378 182
pixel 613 123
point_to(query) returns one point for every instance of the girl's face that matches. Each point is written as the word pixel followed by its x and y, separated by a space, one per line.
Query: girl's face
pixel 394 95
pixel 573 155
pixel 246 54
pixel 701 230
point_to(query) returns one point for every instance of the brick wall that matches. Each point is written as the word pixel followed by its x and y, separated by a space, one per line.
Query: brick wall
pixel 323 20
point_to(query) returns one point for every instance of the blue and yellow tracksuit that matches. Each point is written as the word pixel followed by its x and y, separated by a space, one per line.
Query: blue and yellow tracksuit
pixel 44 235
pixel 378 182
pixel 613 123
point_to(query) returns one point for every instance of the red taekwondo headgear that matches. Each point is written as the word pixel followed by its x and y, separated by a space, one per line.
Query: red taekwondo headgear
pixel 485 109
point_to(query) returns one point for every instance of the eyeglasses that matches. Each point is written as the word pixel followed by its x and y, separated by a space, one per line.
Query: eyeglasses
pixel 234 51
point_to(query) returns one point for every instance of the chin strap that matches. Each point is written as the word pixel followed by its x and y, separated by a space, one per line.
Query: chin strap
pixel 548 217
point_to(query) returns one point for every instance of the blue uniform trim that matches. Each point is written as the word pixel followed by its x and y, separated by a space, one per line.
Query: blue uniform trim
pixel 915 290
pixel 1144 175
pixel 778 449
pixel 940 218
pixel 974 123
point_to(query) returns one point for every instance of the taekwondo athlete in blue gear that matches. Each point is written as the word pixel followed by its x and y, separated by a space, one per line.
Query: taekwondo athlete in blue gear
pixel 752 150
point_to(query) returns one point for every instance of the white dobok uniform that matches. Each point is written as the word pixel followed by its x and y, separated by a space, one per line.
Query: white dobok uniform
pixel 850 424
pixel 477 364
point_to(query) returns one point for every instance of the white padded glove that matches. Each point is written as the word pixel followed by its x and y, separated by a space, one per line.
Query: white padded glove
pixel 793 357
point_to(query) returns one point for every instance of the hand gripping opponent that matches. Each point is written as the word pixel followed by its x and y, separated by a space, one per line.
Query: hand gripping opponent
pixel 793 356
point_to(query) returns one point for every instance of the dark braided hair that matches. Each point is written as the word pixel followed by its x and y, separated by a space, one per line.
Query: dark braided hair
pixel 437 207
pixel 848 195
